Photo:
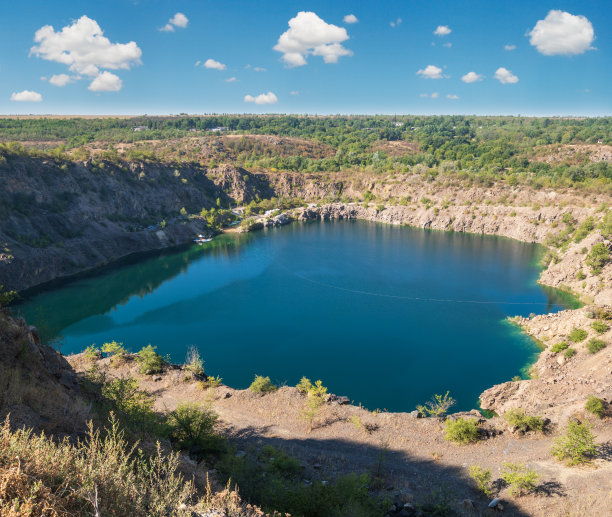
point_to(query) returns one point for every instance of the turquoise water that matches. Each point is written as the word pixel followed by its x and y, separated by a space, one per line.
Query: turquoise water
pixel 385 315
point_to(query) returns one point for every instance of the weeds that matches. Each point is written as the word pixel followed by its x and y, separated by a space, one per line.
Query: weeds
pixel 576 446
pixel 438 406
pixel 520 479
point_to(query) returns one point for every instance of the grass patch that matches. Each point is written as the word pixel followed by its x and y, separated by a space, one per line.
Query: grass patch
pixel 520 479
pixel 523 422
pixel 595 345
pixel 577 335
pixel 462 431
pixel 596 406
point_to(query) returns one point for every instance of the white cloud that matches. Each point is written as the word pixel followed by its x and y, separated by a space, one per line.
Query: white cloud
pixel 509 47
pixel 215 65
pixel 231 80
pixel 294 92
pixel 433 95
pixel 448 45
pixel 505 76
pixel 26 96
pixel 442 30
pixel 431 72
pixel 105 82
pixel 396 23
pixel 350 18
pixel 198 63
pixel 60 79
pixel 562 33
pixel 259 69
pixel 472 77
pixel 84 48
pixel 452 96
pixel 178 20
pixel 264 98
pixel 309 34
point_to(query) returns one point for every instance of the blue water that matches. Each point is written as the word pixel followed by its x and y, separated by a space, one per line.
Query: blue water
pixel 385 315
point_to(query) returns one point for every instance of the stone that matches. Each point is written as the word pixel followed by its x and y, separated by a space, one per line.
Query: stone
pixel 468 504
pixel 494 503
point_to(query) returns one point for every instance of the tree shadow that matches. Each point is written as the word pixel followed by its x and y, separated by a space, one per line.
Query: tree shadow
pixel 604 451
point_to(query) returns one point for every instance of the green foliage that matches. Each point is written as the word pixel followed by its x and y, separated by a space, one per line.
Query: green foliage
pixel 520 479
pixel 316 396
pixel 304 386
pixel 586 227
pixel 114 349
pixel 600 327
pixel 6 297
pixel 577 335
pixel 518 419
pixel 569 353
pixel 598 257
pixel 580 275
pixel 194 364
pixel 192 427
pixel 559 347
pixel 595 345
pixel 482 478
pixel 211 382
pixel 462 431
pixel 438 406
pixel 606 225
pixel 576 446
pixel 262 385
pixel 135 406
pixel 596 406
pixel 149 360
pixel 92 352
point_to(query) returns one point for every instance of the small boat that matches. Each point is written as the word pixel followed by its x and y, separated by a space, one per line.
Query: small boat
pixel 202 240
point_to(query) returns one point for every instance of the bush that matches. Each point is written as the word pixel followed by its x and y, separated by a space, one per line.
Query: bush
pixel 437 406
pixel 115 350
pixel 518 419
pixel 577 335
pixel 520 479
pixel 462 431
pixel 599 326
pixel 304 386
pixel 596 406
pixel 193 362
pixel 6 297
pixel 595 345
pixel 316 398
pixel 262 385
pixel 92 353
pixel 192 427
pixel 598 257
pixel 150 361
pixel 134 405
pixel 559 347
pixel 102 475
pixel 482 478
pixel 576 446
pixel 569 353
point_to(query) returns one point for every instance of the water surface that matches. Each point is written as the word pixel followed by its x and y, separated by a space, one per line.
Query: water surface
pixel 385 315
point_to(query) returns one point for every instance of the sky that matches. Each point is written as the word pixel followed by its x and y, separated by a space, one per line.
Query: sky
pixel 486 57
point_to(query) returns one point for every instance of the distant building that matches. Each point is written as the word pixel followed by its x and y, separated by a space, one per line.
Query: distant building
pixel 398 124
pixel 600 141
pixel 140 128
pixel 219 129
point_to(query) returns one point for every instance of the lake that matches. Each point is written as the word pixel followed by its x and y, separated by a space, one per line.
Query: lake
pixel 385 315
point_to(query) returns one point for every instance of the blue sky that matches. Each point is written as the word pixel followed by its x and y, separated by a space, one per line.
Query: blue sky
pixel 561 63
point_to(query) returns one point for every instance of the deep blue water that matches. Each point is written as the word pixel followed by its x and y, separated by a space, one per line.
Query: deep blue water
pixel 386 315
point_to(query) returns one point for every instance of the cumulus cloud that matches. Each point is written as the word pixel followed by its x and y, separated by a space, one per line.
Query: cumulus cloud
pixel 263 98
pixel 509 47
pixel 452 96
pixel 505 76
pixel 309 34
pixel 231 80
pixel 26 96
pixel 472 77
pixel 562 33
pixel 215 65
pixel 433 95
pixel 84 48
pixel 396 23
pixel 178 20
pixel 431 72
pixel 442 30
pixel 350 18
pixel 106 82
pixel 60 79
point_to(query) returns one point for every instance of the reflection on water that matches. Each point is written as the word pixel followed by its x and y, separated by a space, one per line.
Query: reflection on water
pixel 416 312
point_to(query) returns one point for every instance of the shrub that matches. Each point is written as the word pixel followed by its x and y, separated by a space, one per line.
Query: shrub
pixel 133 404
pixel 262 385
pixel 304 386
pixel 92 352
pixel 150 361
pixel 462 431
pixel 595 345
pixel 598 257
pixel 437 406
pixel 518 419
pixel 6 297
pixel 580 275
pixel 193 362
pixel 559 347
pixel 316 398
pixel 520 479
pixel 577 335
pixel 599 326
pixel 115 350
pixel 596 406
pixel 482 478
pixel 569 353
pixel 210 382
pixel 576 446
pixel 192 427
